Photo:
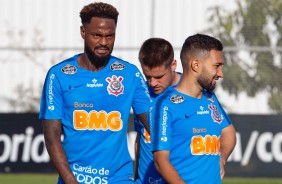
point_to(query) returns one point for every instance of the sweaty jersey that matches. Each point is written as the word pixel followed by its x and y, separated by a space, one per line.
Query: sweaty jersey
pixel 147 173
pixel 94 108
pixel 190 129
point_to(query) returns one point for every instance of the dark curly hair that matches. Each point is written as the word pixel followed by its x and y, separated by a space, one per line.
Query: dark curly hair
pixel 155 52
pixel 98 9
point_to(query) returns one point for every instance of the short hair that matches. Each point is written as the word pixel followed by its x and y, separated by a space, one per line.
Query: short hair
pixel 155 52
pixel 98 9
pixel 199 44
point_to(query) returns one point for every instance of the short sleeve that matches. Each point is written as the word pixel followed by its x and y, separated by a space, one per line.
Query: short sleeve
pixel 160 120
pixel 141 100
pixel 51 100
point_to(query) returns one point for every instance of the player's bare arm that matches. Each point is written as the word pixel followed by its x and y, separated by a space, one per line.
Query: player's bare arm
pixel 137 154
pixel 165 168
pixel 227 144
pixel 143 119
pixel 52 133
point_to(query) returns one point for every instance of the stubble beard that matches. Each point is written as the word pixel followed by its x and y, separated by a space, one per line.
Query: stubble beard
pixel 205 83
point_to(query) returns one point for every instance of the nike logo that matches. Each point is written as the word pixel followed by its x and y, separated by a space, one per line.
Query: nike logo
pixel 74 87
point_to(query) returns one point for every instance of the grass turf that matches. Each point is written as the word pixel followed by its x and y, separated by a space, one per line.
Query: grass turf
pixel 31 178
pixel 28 178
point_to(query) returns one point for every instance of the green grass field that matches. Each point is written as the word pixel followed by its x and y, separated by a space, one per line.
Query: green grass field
pixel 52 178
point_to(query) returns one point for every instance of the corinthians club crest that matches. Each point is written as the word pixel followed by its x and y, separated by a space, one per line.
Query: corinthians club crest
pixel 115 87
pixel 216 116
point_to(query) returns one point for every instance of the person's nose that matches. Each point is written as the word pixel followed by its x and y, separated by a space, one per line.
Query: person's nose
pixel 103 40
pixel 153 82
pixel 220 73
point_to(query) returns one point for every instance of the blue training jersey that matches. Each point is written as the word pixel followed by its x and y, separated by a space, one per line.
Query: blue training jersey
pixel 147 173
pixel 190 129
pixel 94 108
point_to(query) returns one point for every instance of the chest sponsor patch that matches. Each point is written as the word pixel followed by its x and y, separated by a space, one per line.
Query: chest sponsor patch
pixel 202 111
pixel 97 120
pixel 207 145
pixel 69 69
pixel 117 66
pixel 177 99
pixel 94 84
pixel 115 86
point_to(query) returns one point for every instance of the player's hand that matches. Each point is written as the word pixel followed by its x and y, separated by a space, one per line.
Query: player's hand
pixel 222 171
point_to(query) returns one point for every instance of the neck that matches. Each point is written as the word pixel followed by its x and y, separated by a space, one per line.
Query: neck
pixel 176 78
pixel 189 86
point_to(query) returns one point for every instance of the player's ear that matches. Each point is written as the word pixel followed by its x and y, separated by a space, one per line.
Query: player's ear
pixel 173 65
pixel 195 65
pixel 82 32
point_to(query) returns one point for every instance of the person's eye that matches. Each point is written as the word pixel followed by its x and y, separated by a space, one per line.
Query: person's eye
pixel 96 35
pixel 110 36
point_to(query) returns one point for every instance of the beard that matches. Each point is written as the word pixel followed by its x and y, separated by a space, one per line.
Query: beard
pixel 205 83
pixel 97 61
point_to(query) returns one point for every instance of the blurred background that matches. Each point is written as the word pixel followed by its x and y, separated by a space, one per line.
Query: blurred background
pixel 36 34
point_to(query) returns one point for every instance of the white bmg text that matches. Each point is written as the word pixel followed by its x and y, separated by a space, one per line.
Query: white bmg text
pixel 29 144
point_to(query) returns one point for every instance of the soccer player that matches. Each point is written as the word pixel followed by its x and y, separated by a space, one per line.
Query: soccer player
pixel 191 135
pixel 88 98
pixel 157 61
